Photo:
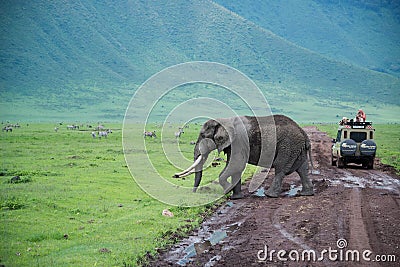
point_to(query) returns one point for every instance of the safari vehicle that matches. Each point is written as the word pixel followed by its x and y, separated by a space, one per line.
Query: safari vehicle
pixel 354 144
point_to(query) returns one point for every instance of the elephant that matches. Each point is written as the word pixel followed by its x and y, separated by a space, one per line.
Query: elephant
pixel 269 141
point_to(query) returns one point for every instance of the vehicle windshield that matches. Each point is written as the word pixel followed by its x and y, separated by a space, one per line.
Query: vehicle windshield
pixel 358 137
pixel 338 136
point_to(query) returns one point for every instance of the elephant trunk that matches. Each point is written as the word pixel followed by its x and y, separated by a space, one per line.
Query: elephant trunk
pixel 201 152
pixel 199 170
pixel 197 180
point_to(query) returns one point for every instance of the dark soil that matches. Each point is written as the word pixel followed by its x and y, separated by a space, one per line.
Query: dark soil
pixel 360 206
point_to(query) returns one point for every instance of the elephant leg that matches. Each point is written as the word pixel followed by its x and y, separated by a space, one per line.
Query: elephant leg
pixel 276 187
pixel 223 177
pixel 283 163
pixel 237 189
pixel 308 188
pixel 235 185
pixel 223 181
pixel 234 168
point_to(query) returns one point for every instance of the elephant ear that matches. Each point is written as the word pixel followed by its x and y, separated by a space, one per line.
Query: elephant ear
pixel 224 135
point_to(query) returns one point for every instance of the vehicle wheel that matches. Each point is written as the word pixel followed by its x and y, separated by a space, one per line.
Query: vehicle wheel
pixel 340 163
pixel 333 160
pixel 365 165
pixel 370 164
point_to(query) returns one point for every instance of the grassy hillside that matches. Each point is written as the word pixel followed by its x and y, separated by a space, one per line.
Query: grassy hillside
pixel 63 59
pixel 364 33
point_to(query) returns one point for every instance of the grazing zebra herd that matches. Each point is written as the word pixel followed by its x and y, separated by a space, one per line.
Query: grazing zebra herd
pixel 153 133
pixel 9 127
pixel 101 134
pixel 99 131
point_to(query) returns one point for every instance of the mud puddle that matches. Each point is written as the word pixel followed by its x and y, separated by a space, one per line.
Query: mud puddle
pixel 370 180
pixel 293 191
pixel 212 232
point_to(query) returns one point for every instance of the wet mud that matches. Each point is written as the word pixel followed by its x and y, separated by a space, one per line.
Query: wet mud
pixel 353 211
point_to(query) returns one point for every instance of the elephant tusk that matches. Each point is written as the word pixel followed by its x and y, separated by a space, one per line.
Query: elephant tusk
pixel 178 175
pixel 186 174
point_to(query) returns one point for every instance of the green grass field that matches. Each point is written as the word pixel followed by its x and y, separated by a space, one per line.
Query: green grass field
pixel 76 203
pixel 387 137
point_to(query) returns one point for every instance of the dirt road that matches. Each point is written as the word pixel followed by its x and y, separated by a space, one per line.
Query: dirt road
pixel 352 218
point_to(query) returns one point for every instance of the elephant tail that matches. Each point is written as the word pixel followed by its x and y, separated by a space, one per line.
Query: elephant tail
pixel 308 150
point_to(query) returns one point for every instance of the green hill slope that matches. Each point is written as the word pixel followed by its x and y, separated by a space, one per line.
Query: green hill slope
pixel 83 60
pixel 360 32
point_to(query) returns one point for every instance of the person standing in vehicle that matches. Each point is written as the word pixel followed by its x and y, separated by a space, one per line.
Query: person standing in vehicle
pixel 361 116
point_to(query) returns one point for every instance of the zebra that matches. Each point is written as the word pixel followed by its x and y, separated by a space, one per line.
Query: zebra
pixel 150 134
pixel 178 134
pixel 103 134
pixel 7 129
pixel 73 127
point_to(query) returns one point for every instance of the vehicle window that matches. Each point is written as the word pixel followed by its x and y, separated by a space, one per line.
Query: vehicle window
pixel 345 134
pixel 358 136
pixel 371 135
pixel 339 133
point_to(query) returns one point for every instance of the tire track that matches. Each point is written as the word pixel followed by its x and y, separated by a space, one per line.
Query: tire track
pixel 358 235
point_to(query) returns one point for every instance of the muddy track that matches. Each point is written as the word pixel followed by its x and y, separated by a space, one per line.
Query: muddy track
pixel 353 209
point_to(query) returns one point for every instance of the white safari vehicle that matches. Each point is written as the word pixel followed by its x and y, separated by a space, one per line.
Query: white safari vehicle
pixel 354 144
